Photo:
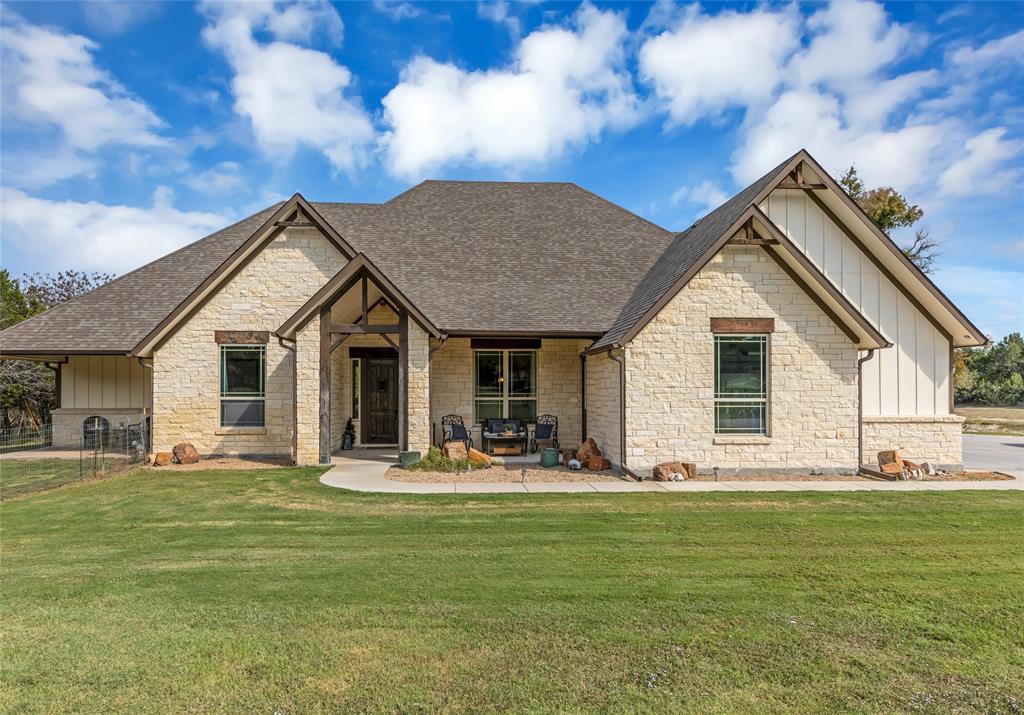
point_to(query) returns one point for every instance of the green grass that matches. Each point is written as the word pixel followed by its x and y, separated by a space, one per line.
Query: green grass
pixel 22 476
pixel 985 419
pixel 266 592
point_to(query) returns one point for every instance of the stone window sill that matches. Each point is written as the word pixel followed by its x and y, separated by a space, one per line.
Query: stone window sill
pixel 742 439
pixel 240 430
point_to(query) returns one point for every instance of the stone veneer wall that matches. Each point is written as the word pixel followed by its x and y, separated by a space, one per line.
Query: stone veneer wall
pixel 307 393
pixel 812 383
pixel 604 414
pixel 935 439
pixel 558 386
pixel 419 388
pixel 186 368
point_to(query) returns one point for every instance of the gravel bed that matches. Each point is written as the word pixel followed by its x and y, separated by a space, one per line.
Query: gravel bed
pixel 502 474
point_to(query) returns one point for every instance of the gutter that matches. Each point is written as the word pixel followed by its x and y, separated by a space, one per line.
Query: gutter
pixel 860 406
pixel 295 395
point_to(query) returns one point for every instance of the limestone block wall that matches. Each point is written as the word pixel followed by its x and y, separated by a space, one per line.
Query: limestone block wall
pixel 812 382
pixel 418 414
pixel 558 385
pixel 937 439
pixel 186 367
pixel 603 405
pixel 307 393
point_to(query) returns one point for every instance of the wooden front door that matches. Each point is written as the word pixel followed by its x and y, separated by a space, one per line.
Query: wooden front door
pixel 380 392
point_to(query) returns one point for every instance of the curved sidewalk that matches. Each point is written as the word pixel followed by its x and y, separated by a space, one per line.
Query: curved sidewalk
pixel 367 475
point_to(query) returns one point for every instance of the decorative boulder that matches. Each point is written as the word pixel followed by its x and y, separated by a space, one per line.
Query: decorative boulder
pixel 184 453
pixel 479 457
pixel 665 471
pixel 455 450
pixel 568 455
pixel 587 450
pixel 162 459
pixel 890 462
pixel 598 464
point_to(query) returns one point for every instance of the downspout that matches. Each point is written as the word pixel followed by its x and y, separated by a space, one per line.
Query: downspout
pixel 583 395
pixel 622 409
pixel 860 406
pixel 295 396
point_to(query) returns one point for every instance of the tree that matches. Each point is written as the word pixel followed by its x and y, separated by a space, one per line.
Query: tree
pixel 991 375
pixel 27 388
pixel 890 209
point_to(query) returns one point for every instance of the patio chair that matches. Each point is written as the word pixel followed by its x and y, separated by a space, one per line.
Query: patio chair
pixel 545 433
pixel 453 429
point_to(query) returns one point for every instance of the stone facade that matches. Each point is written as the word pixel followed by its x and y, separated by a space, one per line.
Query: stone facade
pixel 938 439
pixel 558 385
pixel 812 383
pixel 604 414
pixel 418 388
pixel 307 393
pixel 186 367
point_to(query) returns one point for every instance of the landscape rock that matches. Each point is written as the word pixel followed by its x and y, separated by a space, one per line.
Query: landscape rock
pixel 587 450
pixel 162 459
pixel 665 471
pixel 568 455
pixel 184 453
pixel 598 464
pixel 455 450
pixel 890 457
pixel 479 457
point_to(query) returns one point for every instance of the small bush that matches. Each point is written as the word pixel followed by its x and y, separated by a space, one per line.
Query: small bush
pixel 435 461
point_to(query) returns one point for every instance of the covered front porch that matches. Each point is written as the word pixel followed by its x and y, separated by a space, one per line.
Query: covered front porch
pixel 363 352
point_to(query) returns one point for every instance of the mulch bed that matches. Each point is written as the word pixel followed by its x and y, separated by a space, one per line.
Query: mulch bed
pixel 223 463
pixel 502 475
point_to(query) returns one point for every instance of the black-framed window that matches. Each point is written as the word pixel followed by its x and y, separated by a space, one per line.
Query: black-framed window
pixel 505 384
pixel 243 385
pixel 741 384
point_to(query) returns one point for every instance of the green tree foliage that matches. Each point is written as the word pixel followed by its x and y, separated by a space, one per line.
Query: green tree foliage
pixel 27 388
pixel 890 209
pixel 993 375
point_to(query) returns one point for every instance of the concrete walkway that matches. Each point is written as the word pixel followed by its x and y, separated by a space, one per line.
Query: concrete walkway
pixel 364 472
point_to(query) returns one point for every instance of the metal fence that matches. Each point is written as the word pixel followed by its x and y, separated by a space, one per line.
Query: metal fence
pixel 33 460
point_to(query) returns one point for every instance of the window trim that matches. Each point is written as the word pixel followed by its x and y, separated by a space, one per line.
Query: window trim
pixel 236 397
pixel 764 398
pixel 506 397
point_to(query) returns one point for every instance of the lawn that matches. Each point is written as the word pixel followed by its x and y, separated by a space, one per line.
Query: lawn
pixel 984 419
pixel 262 591
pixel 21 476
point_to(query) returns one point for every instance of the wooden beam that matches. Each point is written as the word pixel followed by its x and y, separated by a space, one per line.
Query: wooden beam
pixel 830 214
pixel 357 328
pixel 801 185
pixel 339 340
pixel 389 341
pixel 748 230
pixel 325 385
pixel 742 325
pixel 366 310
pixel 295 224
pixel 753 241
pixel 403 378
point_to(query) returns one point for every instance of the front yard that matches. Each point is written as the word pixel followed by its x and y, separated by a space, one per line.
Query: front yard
pixel 262 591
pixel 984 419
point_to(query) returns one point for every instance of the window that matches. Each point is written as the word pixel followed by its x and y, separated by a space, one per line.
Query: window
pixel 505 384
pixel 243 384
pixel 741 384
pixel 356 385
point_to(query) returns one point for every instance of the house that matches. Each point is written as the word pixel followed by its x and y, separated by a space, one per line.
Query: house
pixel 782 331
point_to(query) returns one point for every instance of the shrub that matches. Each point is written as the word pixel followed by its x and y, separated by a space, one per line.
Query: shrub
pixel 435 461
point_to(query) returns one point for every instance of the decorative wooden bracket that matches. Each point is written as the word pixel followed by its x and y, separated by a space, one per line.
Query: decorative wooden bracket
pixel 747 236
pixel 796 181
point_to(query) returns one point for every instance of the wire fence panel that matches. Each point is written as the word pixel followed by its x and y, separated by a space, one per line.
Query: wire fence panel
pixel 34 460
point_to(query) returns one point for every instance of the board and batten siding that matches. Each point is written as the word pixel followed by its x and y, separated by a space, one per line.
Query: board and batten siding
pixel 105 382
pixel 910 378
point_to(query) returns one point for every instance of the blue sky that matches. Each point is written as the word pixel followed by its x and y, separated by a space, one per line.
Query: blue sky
pixel 130 129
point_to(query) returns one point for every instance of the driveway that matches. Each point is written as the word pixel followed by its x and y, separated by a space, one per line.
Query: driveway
pixel 989 451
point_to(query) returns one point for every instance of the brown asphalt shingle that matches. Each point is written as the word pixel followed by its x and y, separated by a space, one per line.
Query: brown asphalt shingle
pixel 473 256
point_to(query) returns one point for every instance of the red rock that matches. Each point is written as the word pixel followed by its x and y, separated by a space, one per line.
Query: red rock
pixel 162 459
pixel 598 464
pixel 587 450
pixel 455 450
pixel 185 453
pixel 663 472
pixel 479 457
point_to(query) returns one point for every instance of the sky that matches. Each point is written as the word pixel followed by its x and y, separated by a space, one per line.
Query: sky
pixel 130 129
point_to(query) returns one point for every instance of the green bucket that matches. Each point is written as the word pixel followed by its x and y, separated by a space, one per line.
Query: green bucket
pixel 549 457
pixel 409 458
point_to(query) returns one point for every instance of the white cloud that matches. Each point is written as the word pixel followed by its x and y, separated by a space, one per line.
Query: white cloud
pixel 50 78
pixel 397 10
pixel 982 168
pixel 706 194
pixel 293 96
pixel 1008 49
pixel 564 88
pixel 223 178
pixel 706 64
pixel 112 18
pixel 55 235
pixel 34 170
pixel 498 11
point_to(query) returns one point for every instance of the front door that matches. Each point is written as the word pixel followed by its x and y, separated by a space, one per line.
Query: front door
pixel 380 385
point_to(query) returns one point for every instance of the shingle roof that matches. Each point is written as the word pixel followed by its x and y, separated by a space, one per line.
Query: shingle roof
pixel 473 256
pixel 685 251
